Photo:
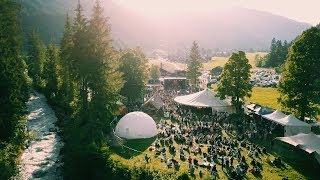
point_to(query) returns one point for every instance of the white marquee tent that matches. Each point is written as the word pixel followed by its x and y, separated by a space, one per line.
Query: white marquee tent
pixel 292 125
pixel 205 98
pixel 308 142
pixel 275 115
pixel 136 125
pixel 263 110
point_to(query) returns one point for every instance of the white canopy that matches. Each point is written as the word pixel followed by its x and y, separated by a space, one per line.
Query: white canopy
pixel 263 110
pixel 205 98
pixel 292 125
pixel 275 116
pixel 308 142
pixel 136 125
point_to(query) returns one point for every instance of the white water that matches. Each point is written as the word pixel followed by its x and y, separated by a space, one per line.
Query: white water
pixel 41 159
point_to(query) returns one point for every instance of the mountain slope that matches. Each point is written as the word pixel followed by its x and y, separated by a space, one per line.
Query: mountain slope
pixel 232 28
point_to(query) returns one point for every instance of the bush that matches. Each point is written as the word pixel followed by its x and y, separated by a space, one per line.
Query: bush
pixel 9 160
pixel 184 176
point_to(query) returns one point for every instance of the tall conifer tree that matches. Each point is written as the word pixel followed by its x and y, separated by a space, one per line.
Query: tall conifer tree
pixel 36 60
pixel 194 64
pixel 14 89
pixel 105 78
pixel 52 72
pixel 68 71
pixel 79 57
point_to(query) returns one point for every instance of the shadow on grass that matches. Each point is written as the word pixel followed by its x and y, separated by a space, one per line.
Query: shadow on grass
pixel 299 160
pixel 136 147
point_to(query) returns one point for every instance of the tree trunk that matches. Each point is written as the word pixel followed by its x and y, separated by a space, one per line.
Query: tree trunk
pixel 237 105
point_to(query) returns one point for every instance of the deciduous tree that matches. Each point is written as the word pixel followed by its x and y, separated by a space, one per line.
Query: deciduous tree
pixel 235 80
pixel 300 81
pixel 154 72
pixel 134 69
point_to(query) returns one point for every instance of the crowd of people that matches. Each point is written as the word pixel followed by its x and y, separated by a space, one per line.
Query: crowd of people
pixel 206 140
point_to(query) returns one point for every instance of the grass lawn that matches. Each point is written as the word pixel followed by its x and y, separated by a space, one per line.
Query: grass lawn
pixel 137 160
pixel 215 61
pixel 265 96
pixel 221 61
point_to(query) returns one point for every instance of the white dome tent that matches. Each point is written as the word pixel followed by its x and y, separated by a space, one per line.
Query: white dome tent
pixel 136 125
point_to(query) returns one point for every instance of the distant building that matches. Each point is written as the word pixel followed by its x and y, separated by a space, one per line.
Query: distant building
pixel 171 70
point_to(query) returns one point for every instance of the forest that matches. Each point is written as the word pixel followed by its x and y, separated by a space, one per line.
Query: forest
pixel 84 77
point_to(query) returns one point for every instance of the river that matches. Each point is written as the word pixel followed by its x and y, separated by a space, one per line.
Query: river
pixel 41 159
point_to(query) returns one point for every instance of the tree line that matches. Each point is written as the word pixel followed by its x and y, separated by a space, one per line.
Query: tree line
pixel 83 78
pixel 299 86
pixel 276 56
pixel 14 89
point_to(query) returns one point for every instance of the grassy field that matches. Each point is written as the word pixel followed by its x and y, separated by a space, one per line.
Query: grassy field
pixel 133 160
pixel 216 61
pixel 265 96
pixel 221 61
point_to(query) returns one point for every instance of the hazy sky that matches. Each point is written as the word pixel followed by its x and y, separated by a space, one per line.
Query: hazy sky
pixel 299 10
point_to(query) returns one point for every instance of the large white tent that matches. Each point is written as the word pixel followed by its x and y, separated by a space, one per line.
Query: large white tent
pixel 263 110
pixel 276 115
pixel 205 98
pixel 136 125
pixel 308 142
pixel 292 125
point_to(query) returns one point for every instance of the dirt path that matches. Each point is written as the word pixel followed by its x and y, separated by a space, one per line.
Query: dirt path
pixel 41 159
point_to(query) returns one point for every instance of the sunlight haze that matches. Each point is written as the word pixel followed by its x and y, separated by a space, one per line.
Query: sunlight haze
pixel 303 11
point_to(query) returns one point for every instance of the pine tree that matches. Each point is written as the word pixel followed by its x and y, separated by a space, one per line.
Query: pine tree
pixel 68 71
pixel 36 60
pixel 194 64
pixel 79 58
pixel 14 89
pixel 105 78
pixel 52 73
pixel 235 80
pixel 278 53
pixel 272 54
pixel 300 81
